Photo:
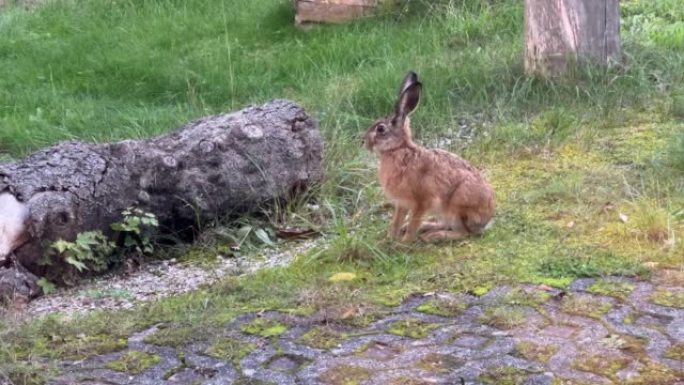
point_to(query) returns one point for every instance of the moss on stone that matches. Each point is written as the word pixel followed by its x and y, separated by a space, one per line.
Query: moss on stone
pixel 626 343
pixel 481 290
pixel 361 320
pixel 379 351
pixel 565 381
pixel 322 337
pixel 560 283
pixel 297 361
pixel 615 289
pixel 439 363
pixel 536 352
pixel 601 364
pixel 251 381
pixel 503 375
pixel 668 298
pixel 174 336
pixel 585 306
pixel 629 318
pixel 445 307
pixel 345 375
pixel 133 362
pixel 403 380
pixel 503 316
pixel 413 328
pixel 676 352
pixel 229 349
pixel 302 311
pixel 655 374
pixel 84 346
pixel 25 374
pixel 532 298
pixel 389 298
pixel 264 327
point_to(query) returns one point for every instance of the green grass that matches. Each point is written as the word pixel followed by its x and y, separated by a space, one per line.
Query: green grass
pixel 566 156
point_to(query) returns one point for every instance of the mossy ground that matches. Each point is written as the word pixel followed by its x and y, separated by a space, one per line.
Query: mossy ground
pixel 655 374
pixel 669 298
pixel 619 290
pixel 346 375
pixel 587 186
pixel 264 327
pixel 322 337
pixel 175 336
pixel 536 352
pixel 585 306
pixel 601 364
pixel 676 352
pixel 504 375
pixel 446 307
pixel 413 328
pixel 229 349
pixel 503 316
pixel 133 362
pixel 434 362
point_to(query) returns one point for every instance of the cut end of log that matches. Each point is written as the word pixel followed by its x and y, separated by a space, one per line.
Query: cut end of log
pixel 13 217
pixel 332 11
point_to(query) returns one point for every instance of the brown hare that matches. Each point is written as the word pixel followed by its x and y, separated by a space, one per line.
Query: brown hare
pixel 419 180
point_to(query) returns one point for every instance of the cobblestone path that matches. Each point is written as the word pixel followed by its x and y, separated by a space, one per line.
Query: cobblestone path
pixel 613 331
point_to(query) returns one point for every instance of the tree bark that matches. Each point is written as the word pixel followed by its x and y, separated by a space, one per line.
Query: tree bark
pixel 212 167
pixel 562 33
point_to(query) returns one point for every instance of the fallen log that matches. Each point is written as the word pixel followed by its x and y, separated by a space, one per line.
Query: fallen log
pixel 209 168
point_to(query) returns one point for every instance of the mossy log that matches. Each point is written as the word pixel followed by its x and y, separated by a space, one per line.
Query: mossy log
pixel 209 168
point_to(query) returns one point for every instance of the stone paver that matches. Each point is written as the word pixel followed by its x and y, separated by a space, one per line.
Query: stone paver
pixel 617 341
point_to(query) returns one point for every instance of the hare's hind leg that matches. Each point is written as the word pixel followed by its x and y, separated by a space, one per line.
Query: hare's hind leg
pixel 452 229
pixel 426 226
pixel 442 235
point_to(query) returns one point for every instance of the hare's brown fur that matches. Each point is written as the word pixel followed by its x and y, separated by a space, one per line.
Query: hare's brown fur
pixel 419 180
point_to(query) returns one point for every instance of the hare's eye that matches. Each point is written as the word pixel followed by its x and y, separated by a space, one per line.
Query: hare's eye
pixel 381 128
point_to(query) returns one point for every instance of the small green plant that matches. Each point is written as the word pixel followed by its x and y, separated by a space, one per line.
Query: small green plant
pixel 135 231
pixel 90 251
pixel 93 251
pixel 46 286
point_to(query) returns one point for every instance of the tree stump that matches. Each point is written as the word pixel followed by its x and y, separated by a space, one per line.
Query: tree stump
pixel 561 33
pixel 332 11
pixel 210 168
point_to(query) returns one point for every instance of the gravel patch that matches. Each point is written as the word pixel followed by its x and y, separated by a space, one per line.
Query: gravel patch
pixel 157 280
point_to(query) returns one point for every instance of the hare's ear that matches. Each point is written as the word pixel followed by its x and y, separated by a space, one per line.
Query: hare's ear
pixel 408 100
pixel 411 78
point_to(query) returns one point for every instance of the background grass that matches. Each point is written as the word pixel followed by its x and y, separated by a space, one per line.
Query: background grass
pixel 568 157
